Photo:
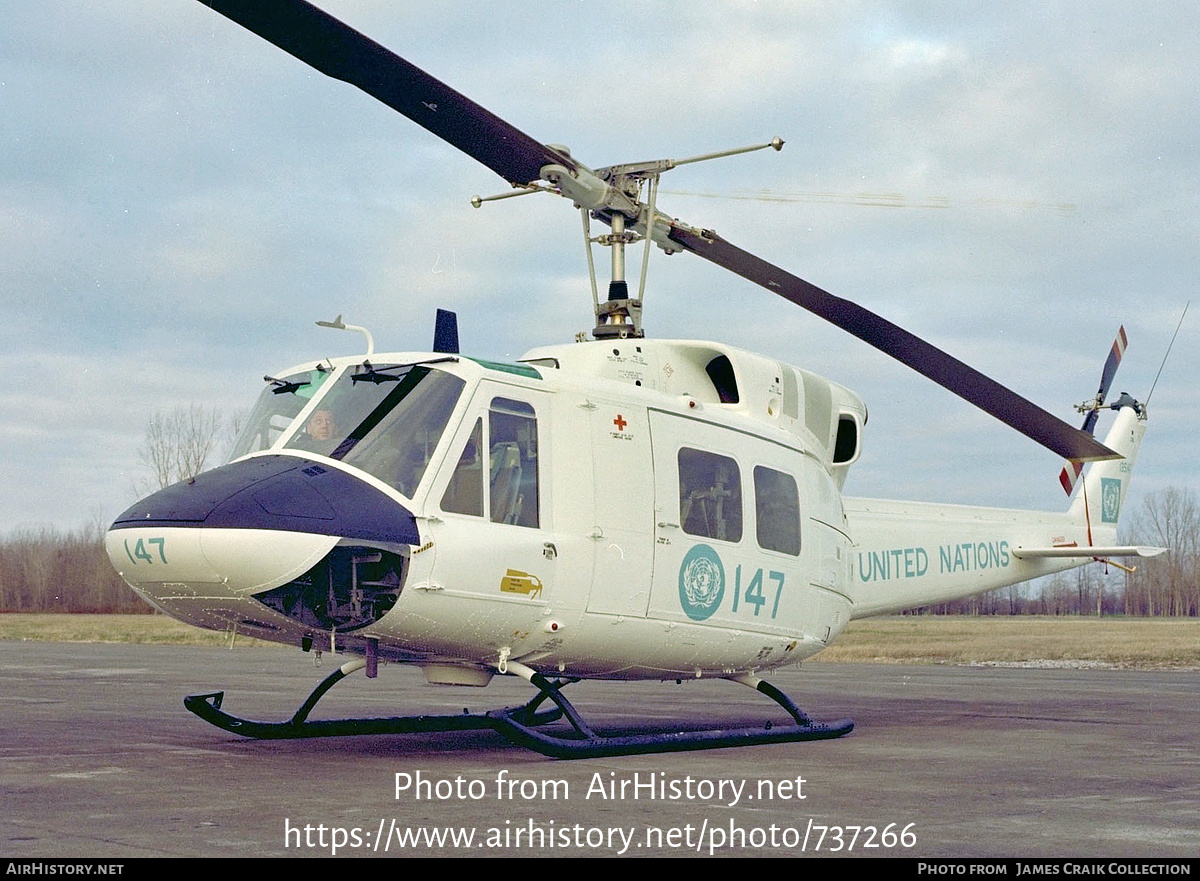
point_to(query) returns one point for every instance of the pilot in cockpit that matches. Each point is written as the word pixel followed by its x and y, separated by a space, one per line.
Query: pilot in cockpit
pixel 319 432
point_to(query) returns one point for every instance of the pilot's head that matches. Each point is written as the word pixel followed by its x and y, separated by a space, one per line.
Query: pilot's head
pixel 320 425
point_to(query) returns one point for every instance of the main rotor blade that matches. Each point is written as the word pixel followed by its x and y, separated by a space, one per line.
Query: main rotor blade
pixel 966 382
pixel 339 51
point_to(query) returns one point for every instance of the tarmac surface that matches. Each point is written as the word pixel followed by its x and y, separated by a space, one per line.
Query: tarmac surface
pixel 99 759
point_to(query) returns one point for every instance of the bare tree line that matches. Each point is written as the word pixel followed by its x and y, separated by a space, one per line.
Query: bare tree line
pixel 51 570
pixel 1170 584
pixel 1164 586
pixel 179 443
pixel 47 569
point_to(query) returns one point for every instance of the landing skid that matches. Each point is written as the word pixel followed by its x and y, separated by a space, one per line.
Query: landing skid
pixel 522 724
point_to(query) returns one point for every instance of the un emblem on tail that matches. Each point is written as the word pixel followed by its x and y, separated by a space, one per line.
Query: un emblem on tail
pixel 1110 499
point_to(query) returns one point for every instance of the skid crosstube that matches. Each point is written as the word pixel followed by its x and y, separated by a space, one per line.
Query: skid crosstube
pixel 522 725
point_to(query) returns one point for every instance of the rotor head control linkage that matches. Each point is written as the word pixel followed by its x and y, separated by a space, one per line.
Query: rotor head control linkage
pixel 613 195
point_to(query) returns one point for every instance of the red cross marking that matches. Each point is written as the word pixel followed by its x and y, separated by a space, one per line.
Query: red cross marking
pixel 620 422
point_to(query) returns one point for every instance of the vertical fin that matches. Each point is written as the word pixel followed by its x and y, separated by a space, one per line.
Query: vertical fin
pixel 1107 483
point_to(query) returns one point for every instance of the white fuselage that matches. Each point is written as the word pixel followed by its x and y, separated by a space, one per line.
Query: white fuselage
pixel 628 509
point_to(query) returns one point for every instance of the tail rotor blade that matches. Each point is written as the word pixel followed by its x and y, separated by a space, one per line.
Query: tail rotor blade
pixel 1071 471
pixel 1110 367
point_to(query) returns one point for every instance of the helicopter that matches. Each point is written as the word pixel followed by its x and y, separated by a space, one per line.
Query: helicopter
pixel 622 508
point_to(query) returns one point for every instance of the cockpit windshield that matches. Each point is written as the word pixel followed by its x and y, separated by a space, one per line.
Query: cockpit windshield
pixel 385 420
pixel 277 406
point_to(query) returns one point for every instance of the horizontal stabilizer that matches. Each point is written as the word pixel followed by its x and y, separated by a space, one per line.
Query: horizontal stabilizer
pixel 1081 551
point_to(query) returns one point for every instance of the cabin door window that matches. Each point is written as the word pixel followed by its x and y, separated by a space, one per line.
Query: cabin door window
pixel 501 475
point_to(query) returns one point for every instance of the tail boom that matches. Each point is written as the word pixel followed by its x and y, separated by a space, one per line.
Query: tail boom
pixel 910 554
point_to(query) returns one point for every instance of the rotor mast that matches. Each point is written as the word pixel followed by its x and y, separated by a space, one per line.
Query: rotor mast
pixel 613 195
pixel 631 220
pixel 620 316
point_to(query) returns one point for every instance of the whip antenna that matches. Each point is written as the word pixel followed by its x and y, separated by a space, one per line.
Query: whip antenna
pixel 1167 355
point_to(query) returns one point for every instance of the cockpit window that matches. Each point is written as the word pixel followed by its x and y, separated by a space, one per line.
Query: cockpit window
pixel 275 409
pixel 385 420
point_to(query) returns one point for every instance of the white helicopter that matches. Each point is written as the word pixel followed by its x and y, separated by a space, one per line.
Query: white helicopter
pixel 622 508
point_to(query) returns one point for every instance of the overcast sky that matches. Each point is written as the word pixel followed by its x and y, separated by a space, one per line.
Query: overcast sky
pixel 181 201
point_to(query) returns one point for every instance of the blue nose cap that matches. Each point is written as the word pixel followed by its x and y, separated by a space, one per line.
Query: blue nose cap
pixel 278 492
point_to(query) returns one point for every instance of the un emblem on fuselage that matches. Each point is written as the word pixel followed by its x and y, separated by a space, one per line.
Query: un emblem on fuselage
pixel 701 582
